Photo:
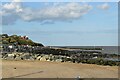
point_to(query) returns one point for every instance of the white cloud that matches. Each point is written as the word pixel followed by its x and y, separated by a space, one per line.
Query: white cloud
pixel 13 6
pixel 16 1
pixel 60 12
pixel 8 6
pixel 104 6
pixel 10 12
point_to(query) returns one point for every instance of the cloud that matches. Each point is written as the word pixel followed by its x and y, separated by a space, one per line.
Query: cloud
pixel 58 12
pixel 10 12
pixel 104 6
pixel 15 6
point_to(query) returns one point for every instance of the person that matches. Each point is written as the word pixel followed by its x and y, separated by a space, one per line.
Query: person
pixel 78 78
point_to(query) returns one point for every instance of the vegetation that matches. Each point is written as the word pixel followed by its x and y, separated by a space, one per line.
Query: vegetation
pixel 88 55
pixel 17 40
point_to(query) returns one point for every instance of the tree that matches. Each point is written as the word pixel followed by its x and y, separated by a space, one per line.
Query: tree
pixel 5 35
pixel 22 42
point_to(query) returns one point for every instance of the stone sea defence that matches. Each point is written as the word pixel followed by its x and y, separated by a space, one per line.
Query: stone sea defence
pixel 22 48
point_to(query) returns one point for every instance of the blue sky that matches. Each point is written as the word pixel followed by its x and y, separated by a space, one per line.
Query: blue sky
pixel 75 24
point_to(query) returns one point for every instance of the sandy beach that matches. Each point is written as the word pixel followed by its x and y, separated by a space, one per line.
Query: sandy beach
pixel 42 69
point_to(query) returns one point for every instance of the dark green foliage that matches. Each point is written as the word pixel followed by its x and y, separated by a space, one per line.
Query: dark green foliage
pixel 101 62
pixel 5 42
pixel 17 40
pixel 4 36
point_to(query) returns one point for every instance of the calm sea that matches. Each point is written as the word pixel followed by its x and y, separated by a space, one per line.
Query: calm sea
pixel 106 49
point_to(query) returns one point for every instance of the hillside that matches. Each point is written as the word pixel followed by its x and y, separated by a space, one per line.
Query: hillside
pixel 18 40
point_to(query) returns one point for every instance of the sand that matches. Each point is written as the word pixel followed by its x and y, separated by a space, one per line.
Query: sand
pixel 43 69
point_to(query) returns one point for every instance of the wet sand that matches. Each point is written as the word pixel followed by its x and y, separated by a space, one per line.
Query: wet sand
pixel 43 69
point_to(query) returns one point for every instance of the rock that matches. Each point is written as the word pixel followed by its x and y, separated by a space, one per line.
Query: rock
pixel 31 58
pixel 43 59
pixel 17 55
pixel 10 58
pixel 48 60
pixel 4 56
pixel 18 58
pixel 20 53
pixel 46 56
pixel 11 55
pixel 27 56
pixel 23 58
pixel 58 60
pixel 38 58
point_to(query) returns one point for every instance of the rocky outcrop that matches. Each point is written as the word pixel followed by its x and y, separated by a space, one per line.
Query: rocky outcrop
pixel 30 56
pixel 17 40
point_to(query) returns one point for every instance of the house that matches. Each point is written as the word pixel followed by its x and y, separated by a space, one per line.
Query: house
pixel 25 37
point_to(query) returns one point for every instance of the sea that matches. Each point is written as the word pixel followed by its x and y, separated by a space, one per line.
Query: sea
pixel 105 49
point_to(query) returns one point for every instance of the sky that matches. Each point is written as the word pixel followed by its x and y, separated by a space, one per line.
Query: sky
pixel 62 23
